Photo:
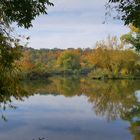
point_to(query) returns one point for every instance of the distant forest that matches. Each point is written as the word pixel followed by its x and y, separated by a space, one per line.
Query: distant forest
pixel 109 59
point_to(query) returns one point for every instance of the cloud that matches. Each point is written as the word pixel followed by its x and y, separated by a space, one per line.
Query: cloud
pixel 77 4
pixel 75 23
pixel 67 35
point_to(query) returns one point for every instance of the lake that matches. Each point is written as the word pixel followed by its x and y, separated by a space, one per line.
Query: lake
pixel 72 108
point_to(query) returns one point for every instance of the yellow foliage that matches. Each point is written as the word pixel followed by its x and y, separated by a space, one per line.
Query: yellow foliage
pixel 134 29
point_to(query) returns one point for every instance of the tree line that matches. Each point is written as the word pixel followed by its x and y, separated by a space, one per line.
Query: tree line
pixel 13 11
pixel 110 58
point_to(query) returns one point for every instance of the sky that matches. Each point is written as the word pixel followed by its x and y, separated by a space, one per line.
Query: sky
pixel 73 24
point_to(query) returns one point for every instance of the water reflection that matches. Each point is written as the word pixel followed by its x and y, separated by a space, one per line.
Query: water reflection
pixel 10 87
pixel 74 108
pixel 112 99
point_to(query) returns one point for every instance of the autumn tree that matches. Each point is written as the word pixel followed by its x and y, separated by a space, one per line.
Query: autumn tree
pixel 69 60
pixel 25 64
pixel 22 12
pixel 114 59
pixel 132 38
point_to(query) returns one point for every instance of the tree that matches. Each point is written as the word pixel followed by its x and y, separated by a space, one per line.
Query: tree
pixel 22 11
pixel 128 10
pixel 133 37
pixel 69 60
pixel 110 55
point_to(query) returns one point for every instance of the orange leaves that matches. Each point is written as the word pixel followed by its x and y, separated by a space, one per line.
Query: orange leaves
pixel 25 62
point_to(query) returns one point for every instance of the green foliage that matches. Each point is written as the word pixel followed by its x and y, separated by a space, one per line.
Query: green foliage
pixel 69 60
pixel 133 38
pixel 101 74
pixel 128 10
pixel 22 11
pixel 8 54
pixel 9 78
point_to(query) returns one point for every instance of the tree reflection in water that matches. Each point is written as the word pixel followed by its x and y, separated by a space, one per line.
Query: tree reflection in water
pixel 40 139
pixel 110 99
pixel 10 87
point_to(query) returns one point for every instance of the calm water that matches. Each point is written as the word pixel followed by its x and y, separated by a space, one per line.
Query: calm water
pixel 72 109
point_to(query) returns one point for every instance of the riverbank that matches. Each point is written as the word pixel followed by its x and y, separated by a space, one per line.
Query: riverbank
pixel 117 78
pixel 44 76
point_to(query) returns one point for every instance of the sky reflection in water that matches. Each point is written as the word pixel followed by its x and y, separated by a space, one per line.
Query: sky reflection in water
pixel 74 117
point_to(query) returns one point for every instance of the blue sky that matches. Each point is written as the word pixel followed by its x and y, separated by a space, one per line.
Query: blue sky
pixel 73 24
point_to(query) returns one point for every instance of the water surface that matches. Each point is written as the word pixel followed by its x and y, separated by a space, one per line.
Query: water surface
pixel 73 108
